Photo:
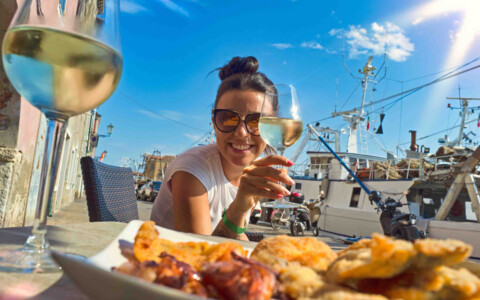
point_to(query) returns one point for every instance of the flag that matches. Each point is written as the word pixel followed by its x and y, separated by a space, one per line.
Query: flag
pixel 102 156
pixel 478 121
pixel 380 128
pixel 368 122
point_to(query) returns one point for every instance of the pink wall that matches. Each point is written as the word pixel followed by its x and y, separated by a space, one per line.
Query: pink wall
pixel 28 128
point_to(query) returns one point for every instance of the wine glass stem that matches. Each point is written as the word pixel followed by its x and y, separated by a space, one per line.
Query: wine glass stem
pixel 53 151
pixel 281 168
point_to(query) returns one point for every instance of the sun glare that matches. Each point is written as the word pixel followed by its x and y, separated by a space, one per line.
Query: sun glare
pixel 469 27
pixel 462 37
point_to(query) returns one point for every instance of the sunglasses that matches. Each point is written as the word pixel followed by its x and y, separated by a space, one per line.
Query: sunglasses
pixel 227 120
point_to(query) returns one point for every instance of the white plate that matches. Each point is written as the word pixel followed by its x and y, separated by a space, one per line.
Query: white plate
pixel 94 276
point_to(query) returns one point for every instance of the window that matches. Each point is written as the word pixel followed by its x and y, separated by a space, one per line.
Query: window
pixel 298 186
pixel 355 197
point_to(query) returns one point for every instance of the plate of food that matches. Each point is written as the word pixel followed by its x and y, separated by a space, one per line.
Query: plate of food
pixel 150 262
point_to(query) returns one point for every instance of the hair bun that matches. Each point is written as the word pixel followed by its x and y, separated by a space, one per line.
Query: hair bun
pixel 239 65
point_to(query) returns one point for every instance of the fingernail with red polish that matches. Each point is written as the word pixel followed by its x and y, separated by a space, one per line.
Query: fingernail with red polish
pixel 279 196
pixel 290 163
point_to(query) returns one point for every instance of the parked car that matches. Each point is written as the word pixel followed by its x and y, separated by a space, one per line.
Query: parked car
pixel 155 189
pixel 149 191
pixel 138 186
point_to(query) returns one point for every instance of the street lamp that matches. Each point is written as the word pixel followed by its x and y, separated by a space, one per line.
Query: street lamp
pixel 109 131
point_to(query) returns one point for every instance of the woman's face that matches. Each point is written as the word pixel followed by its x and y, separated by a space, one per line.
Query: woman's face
pixel 239 148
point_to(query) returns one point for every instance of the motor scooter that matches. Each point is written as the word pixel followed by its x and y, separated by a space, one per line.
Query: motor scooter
pixel 394 222
pixel 304 217
pixel 279 217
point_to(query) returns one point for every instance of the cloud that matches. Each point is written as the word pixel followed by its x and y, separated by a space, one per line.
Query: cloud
pixel 174 7
pixel 163 114
pixel 130 7
pixel 336 32
pixel 417 21
pixel 376 41
pixel 173 115
pixel 149 114
pixel 282 46
pixel 193 137
pixel 311 45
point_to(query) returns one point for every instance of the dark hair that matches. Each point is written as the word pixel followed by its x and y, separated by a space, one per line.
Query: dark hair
pixel 241 74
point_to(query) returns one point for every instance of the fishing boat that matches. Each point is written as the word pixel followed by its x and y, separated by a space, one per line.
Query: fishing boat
pixel 441 189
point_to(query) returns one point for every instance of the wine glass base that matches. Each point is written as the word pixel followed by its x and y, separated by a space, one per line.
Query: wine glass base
pixel 27 260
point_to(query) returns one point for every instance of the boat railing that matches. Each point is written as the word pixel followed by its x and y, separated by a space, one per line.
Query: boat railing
pixel 387 169
pixel 446 162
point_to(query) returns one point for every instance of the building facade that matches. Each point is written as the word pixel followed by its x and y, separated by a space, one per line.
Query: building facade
pixel 155 166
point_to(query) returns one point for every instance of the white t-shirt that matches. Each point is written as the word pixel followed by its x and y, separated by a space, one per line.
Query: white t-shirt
pixel 204 163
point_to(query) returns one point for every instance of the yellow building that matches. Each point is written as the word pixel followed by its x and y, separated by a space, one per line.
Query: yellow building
pixel 156 165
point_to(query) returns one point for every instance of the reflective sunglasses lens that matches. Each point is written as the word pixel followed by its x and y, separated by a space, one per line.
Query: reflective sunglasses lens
pixel 226 120
pixel 252 123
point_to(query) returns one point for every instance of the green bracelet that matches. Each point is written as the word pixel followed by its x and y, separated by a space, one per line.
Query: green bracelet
pixel 230 225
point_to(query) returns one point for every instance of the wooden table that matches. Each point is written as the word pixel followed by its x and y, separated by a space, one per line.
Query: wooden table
pixel 84 239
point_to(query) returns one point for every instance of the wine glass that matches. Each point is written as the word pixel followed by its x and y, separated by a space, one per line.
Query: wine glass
pixel 280 123
pixel 64 58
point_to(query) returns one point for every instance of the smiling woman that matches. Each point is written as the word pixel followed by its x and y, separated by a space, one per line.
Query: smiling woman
pixel 212 189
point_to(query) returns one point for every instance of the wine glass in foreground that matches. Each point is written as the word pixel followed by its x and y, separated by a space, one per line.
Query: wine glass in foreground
pixel 64 58
pixel 280 124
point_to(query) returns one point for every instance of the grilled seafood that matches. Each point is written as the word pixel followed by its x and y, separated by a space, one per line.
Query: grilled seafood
pixel 169 272
pixel 240 278
pixel 279 250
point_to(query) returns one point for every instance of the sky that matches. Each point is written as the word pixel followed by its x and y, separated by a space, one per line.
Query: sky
pixel 164 99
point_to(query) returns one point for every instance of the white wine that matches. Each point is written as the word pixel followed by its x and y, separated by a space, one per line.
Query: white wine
pixel 61 73
pixel 280 133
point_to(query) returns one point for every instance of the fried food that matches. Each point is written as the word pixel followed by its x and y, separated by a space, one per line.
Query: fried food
pixel 347 295
pixel 437 283
pixel 300 282
pixel 309 252
pixel 380 257
pixel 432 253
pixel 148 246
pixel 223 251
pixel 305 268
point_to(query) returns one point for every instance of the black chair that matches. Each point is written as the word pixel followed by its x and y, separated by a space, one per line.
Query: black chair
pixel 110 191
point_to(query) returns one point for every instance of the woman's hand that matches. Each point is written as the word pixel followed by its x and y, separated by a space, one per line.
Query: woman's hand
pixel 260 180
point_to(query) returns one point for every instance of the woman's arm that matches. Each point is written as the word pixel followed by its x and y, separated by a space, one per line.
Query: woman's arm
pixel 191 212
pixel 259 180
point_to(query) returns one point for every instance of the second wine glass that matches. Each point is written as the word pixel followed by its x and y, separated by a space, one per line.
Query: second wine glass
pixel 280 124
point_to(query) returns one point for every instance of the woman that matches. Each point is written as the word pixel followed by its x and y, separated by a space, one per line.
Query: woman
pixel 212 189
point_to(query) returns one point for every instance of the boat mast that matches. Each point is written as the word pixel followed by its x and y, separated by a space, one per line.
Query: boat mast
pixel 355 117
pixel 464 114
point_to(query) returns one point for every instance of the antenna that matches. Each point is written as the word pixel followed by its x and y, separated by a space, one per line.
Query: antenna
pixel 336 95
pixel 463 113
pixel 343 58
